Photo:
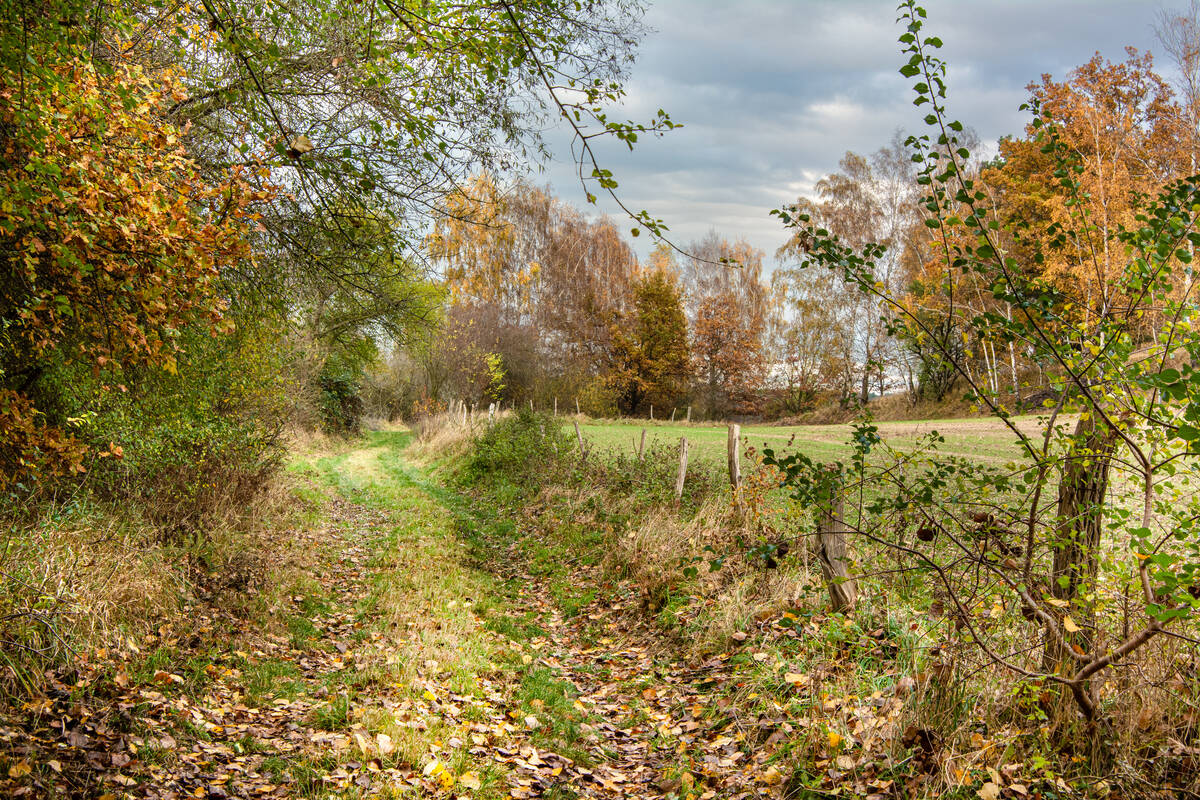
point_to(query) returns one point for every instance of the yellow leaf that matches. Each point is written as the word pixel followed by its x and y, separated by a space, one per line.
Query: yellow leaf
pixel 301 144
pixel 470 780
pixel 1069 625
pixel 795 678
pixel 432 768
pixel 835 739
pixel 771 776
pixel 19 769
pixel 989 791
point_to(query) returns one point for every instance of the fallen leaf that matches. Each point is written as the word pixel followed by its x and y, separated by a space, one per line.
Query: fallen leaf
pixel 989 791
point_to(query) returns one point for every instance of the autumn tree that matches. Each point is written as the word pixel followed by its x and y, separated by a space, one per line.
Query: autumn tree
pixel 1122 124
pixel 650 361
pixel 113 242
pixel 811 337
pixel 546 283
pixel 1096 578
pixel 727 307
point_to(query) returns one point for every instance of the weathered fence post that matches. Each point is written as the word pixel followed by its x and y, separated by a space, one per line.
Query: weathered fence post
pixel 642 446
pixel 833 551
pixel 491 413
pixel 531 404
pixel 672 414
pixel 464 411
pixel 556 406
pixel 576 406
pixel 734 456
pixel 689 416
pixel 683 448
pixel 579 437
pixel 652 413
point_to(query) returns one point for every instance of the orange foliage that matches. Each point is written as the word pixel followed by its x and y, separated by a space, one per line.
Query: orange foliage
pixel 112 241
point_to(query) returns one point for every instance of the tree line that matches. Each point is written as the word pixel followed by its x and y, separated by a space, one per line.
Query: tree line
pixel 558 303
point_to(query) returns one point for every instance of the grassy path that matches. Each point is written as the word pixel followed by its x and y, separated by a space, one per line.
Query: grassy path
pixel 416 646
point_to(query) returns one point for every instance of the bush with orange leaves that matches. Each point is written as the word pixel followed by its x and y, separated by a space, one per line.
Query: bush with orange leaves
pixel 112 245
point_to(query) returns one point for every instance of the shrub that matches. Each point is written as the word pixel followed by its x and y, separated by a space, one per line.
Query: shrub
pixel 519 449
pixel 184 447
pixel 340 401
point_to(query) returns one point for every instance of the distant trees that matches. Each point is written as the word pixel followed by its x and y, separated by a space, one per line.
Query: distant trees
pixel 651 363
pixel 811 341
pixel 563 302
pixel 868 199
pixel 728 307
pixel 541 285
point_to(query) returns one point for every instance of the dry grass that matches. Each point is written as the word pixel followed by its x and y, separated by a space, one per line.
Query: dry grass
pixel 445 435
pixel 72 583
pixel 79 578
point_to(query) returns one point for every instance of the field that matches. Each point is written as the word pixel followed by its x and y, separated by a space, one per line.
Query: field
pixel 983 439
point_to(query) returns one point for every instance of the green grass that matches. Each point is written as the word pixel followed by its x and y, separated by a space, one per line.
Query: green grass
pixel 984 439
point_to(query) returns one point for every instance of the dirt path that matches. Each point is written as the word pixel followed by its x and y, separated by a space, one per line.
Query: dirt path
pixel 394 668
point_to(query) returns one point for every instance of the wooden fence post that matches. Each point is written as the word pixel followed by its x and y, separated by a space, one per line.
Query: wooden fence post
pixel 576 406
pixel 642 446
pixel 491 413
pixel 579 436
pixel 672 415
pixel 531 404
pixel 689 416
pixel 833 552
pixel 652 412
pixel 556 406
pixel 734 456
pixel 683 448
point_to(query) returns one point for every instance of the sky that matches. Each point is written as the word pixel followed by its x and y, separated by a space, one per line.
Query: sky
pixel 772 93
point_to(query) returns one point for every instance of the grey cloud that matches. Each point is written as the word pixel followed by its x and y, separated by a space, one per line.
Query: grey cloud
pixel 772 93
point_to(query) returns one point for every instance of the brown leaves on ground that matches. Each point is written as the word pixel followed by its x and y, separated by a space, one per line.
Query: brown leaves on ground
pixel 350 702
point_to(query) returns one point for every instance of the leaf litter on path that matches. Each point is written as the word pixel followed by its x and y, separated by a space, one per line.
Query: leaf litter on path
pixel 334 720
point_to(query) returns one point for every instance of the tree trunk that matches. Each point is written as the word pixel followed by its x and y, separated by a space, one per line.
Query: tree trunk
pixel 833 554
pixel 1076 544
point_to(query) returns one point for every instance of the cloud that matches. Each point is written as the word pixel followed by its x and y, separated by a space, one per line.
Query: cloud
pixel 771 93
